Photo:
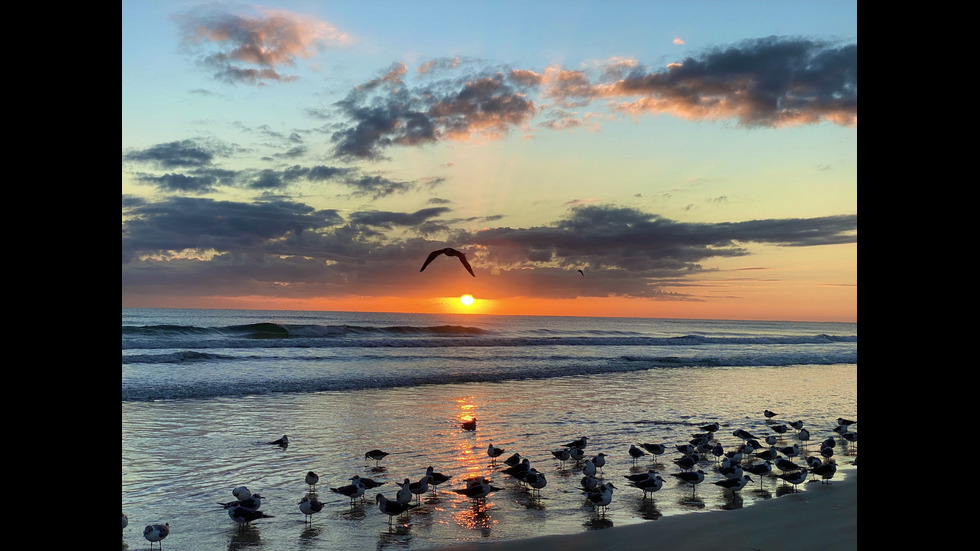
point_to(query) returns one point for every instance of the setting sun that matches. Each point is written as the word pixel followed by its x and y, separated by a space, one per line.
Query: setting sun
pixel 466 300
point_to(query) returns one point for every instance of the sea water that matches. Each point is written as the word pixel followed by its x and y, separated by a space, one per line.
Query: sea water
pixel 203 391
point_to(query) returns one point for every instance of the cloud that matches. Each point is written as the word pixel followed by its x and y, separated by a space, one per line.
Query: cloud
pixel 247 48
pixel 181 241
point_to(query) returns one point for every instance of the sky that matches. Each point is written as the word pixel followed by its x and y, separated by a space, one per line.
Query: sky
pixel 643 158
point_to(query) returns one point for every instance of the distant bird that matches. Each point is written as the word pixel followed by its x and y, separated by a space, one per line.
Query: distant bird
pixel 767 455
pixel 469 424
pixel 846 423
pixel 282 442
pixel 786 465
pixel 435 479
pixel 562 455
pixel 420 487
pixel 513 460
pixel 849 436
pixel 391 508
pixel 535 480
pixel 649 485
pixel 494 452
pixel 779 429
pixel 253 502
pixel 790 451
pixel 352 491
pixel 654 449
pixel 691 477
pixel 731 471
pixel 309 507
pixel 769 414
pixel 244 516
pixel 711 427
pixel 311 480
pixel 599 460
pixel 602 498
pixel 156 533
pixel 825 471
pixel 590 482
pixel 125 521
pixel 580 443
pixel 804 436
pixel 688 462
pixel 478 489
pixel 827 451
pixel 405 494
pixel 795 477
pixel 576 453
pixel 518 471
pixel 796 424
pixel 734 484
pixel 771 440
pixel 743 434
pixel 448 252
pixel 581 272
pixel 589 468
pixel 636 453
pixel 376 455
pixel 241 493
pixel 760 470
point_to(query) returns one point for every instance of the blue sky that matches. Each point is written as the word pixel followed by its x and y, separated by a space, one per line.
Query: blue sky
pixel 696 159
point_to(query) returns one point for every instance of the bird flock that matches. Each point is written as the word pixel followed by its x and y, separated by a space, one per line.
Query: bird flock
pixel 700 457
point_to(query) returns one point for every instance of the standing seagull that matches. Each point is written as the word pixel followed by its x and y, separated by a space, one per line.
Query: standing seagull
pixel 353 491
pixel 156 532
pixel 312 479
pixel 376 455
pixel 391 508
pixel 309 507
pixel 448 252
pixel 691 477
pixel 243 516
pixel 494 452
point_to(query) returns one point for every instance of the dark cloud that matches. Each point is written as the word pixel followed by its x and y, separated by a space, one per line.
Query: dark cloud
pixel 179 154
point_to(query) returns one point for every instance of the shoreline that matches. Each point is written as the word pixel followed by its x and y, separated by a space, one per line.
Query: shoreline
pixel 821 518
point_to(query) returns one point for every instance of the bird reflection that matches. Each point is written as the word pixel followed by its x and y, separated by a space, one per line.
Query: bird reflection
pixel 476 517
pixel 732 501
pixel 648 510
pixel 598 523
pixel 245 539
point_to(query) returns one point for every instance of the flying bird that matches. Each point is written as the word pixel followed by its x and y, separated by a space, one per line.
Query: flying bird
pixel 581 272
pixel 448 252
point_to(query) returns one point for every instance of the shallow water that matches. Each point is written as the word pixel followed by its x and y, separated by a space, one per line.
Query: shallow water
pixel 180 458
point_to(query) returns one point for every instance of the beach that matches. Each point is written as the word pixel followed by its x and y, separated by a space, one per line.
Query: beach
pixel 824 518
pixel 205 392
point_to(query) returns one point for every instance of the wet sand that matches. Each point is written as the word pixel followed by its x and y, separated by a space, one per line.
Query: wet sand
pixel 824 517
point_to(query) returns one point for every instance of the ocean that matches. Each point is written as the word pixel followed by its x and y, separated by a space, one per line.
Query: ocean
pixel 203 391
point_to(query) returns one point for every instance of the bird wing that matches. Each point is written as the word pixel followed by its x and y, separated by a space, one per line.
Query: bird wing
pixel 462 258
pixel 430 258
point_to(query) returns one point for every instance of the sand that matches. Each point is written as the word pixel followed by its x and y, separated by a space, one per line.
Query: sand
pixel 823 517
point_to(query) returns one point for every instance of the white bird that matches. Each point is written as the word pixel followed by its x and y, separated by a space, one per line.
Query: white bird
pixel 241 493
pixel 156 533
pixel 391 508
pixel 602 498
pixel 353 491
pixel 448 252
pixel 309 507
pixel 650 484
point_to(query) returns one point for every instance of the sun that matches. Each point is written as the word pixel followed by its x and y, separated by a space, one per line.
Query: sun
pixel 466 300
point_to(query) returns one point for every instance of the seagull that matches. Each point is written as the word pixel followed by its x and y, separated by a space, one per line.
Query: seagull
pixel 589 469
pixel 420 487
pixel 649 485
pixel 767 455
pixel 688 462
pixel 243 516
pixel 156 532
pixel 813 461
pixel 760 470
pixel 691 477
pixel 795 477
pixel 404 494
pixel 478 489
pixel 580 443
pixel 796 424
pixel 282 442
pixel 125 521
pixel 253 502
pixel 494 452
pixel 711 427
pixel 448 252
pixel 562 455
pixel 769 414
pixel 309 507
pixel 744 435
pixel 392 508
pixel 790 451
pixel 786 465
pixel 589 483
pixel 353 491
pixel 827 451
pixel 241 493
pixel 734 484
pixel 779 429
pixel 655 449
pixel 513 460
pixel 518 471
pixel 369 484
pixel 469 424
pixel 435 478
pixel 311 480
pixel 576 453
pixel 536 480
pixel 599 460
pixel 825 471
pixel 603 497
pixel 636 453
pixel 581 272
pixel 376 455
pixel 846 423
